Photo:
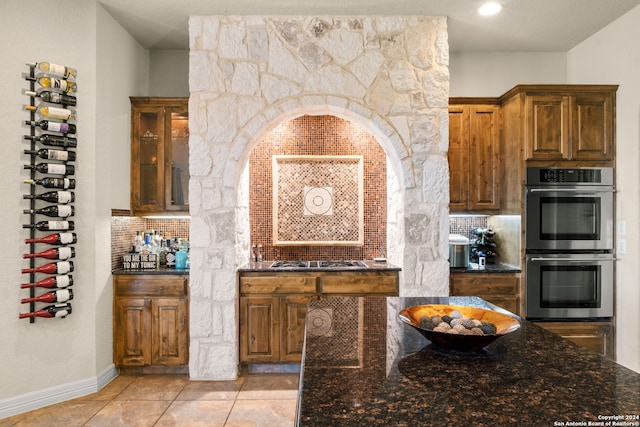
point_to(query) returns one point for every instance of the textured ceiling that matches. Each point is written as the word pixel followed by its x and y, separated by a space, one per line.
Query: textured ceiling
pixel 522 26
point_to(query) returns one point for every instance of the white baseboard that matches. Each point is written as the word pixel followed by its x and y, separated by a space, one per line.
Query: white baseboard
pixel 49 396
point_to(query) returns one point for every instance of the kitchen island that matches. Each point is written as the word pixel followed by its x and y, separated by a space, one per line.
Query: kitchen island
pixel 363 366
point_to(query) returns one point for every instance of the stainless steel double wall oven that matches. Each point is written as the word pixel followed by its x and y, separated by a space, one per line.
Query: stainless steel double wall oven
pixel 569 242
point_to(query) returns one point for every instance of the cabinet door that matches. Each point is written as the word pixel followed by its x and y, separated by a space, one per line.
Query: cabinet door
pixel 501 289
pixel 597 337
pixel 484 157
pixel 592 126
pixel 169 332
pixel 458 157
pixel 176 185
pixel 147 159
pixel 292 317
pixel 259 330
pixel 132 343
pixel 547 127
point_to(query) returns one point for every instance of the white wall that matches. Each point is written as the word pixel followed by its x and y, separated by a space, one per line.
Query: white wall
pixel 490 74
pixel 169 72
pixel 57 359
pixel 612 56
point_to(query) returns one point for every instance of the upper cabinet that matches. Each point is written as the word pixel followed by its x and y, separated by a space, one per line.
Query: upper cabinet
pixel 474 156
pixel 566 123
pixel 159 155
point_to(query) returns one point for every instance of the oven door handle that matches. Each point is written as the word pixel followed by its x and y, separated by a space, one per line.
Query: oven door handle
pixel 569 190
pixel 538 259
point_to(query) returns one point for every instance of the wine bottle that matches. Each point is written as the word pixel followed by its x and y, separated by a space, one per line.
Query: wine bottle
pixel 53 126
pixel 53 97
pixel 52 112
pixel 54 69
pixel 55 239
pixel 59 295
pixel 56 211
pixel 55 282
pixel 51 225
pixel 60 197
pixel 62 253
pixel 53 168
pixel 53 83
pixel 64 183
pixel 55 310
pixel 43 153
pixel 61 267
pixel 54 140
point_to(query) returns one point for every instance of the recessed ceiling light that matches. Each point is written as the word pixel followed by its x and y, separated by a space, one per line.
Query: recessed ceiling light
pixel 490 8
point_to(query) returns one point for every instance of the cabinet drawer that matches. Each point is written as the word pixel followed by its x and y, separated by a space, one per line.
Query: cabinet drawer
pixel 484 284
pixel 151 285
pixel 361 284
pixel 278 284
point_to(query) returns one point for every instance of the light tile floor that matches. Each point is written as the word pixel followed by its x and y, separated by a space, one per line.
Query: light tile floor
pixel 173 400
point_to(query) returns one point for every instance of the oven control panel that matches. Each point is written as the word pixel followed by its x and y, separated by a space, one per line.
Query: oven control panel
pixel 574 176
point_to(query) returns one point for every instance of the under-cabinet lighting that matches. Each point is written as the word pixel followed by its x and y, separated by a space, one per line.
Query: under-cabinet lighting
pixel 489 9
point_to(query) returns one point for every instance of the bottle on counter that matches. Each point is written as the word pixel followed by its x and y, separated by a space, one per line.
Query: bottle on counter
pixel 56 282
pixel 55 239
pixel 59 211
pixel 47 154
pixel 57 295
pixel 53 97
pixel 54 69
pixel 171 254
pixel 53 168
pixel 259 256
pixel 62 253
pixel 51 225
pixel 62 267
pixel 137 243
pixel 64 183
pixel 56 310
pixel 59 197
pixel 162 253
pixel 181 260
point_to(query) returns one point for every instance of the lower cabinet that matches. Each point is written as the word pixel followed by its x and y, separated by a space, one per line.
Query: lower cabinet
pixel 151 318
pixel 596 336
pixel 501 289
pixel 273 307
pixel 272 328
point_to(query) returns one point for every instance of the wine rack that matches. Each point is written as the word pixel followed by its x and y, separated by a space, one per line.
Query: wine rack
pixel 51 106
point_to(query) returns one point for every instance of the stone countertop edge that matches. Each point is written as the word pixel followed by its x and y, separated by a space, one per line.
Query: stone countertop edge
pixel 490 268
pixel 158 272
pixel 264 267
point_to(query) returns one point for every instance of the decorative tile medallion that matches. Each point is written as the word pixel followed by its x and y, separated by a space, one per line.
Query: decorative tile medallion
pixel 318 200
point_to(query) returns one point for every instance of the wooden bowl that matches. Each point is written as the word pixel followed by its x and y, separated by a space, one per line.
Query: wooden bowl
pixel 504 323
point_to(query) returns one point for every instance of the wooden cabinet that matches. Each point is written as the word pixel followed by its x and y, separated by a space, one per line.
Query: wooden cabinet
pixel 151 321
pixel 595 336
pixel 501 289
pixel 564 123
pixel 273 307
pixel 474 157
pixel 159 155
pixel 272 311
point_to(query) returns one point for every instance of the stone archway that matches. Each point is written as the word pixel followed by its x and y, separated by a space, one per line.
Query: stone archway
pixel 249 72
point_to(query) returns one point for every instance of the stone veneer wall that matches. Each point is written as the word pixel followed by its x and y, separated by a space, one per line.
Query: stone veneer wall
pixel 247 74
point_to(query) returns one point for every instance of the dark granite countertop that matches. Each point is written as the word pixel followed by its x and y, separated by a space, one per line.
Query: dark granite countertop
pixel 157 271
pixel 264 267
pixel 489 268
pixel 363 366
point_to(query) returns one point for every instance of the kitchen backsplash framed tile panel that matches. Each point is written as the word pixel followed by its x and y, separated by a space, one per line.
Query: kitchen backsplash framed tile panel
pixel 317 200
pixel 319 135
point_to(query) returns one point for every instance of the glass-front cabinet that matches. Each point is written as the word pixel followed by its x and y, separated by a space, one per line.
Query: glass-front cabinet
pixel 159 155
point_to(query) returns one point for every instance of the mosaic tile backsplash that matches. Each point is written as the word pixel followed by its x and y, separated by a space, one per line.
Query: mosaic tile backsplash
pixel 464 224
pixel 319 136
